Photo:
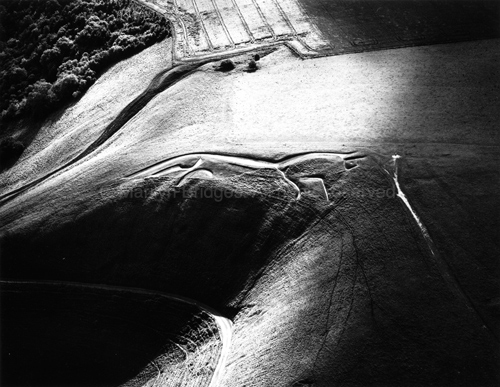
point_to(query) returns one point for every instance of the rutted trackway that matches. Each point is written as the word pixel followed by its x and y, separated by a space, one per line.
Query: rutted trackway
pixel 224 325
pixel 160 82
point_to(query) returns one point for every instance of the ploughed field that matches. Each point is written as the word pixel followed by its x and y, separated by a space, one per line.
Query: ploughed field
pixel 207 28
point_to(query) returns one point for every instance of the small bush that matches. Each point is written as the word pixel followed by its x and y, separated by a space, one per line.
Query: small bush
pixel 226 65
pixel 252 66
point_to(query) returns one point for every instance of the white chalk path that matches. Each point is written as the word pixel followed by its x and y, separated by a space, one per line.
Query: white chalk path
pixel 441 264
pixel 225 331
pixel 404 199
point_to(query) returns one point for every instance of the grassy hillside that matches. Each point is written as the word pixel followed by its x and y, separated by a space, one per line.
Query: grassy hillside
pixel 67 132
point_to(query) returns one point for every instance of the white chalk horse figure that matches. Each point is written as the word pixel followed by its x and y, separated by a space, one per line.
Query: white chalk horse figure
pixel 202 165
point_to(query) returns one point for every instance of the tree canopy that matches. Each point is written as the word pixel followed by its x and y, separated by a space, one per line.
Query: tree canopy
pixel 52 51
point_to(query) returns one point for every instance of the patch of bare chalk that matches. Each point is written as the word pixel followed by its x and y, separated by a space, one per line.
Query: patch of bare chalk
pixel 404 199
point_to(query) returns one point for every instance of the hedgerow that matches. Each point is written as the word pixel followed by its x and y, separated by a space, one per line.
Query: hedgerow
pixel 52 51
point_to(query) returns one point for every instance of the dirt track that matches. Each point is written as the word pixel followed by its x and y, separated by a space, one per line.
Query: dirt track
pixel 160 82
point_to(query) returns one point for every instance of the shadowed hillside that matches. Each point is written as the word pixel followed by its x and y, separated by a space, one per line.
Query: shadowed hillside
pixel 63 334
pixel 348 281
